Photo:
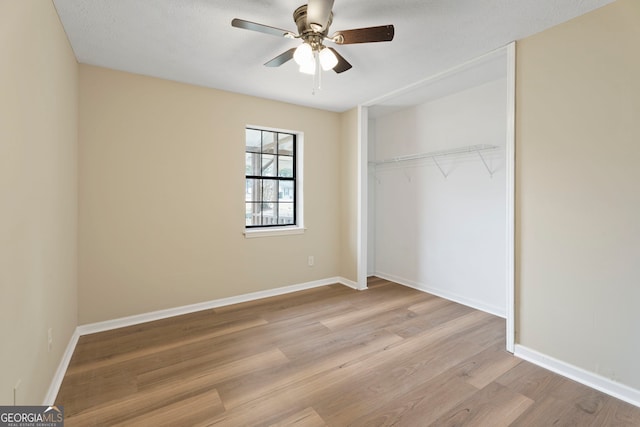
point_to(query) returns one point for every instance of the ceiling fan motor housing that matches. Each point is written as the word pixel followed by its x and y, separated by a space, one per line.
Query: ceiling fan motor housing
pixel 313 36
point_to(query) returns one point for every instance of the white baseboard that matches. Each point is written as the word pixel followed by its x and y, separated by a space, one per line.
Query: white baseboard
pixel 107 325
pixel 350 283
pixel 121 322
pixel 56 382
pixel 496 311
pixel 590 379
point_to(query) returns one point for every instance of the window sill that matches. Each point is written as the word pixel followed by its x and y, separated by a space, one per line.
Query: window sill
pixel 272 231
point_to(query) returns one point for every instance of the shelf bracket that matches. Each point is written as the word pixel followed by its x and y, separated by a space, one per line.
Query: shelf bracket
pixel 485 163
pixel 435 160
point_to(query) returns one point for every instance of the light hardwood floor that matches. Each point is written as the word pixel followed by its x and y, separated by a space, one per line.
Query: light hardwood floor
pixel 331 356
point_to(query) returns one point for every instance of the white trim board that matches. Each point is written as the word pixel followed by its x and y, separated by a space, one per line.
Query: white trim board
pixel 351 284
pixel 362 218
pixel 108 325
pixel 590 379
pixel 56 381
pixel 121 322
pixel 496 311
pixel 510 148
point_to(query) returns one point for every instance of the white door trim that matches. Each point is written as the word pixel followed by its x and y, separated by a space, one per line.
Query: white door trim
pixel 510 150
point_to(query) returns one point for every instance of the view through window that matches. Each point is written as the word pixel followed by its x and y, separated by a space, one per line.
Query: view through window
pixel 270 171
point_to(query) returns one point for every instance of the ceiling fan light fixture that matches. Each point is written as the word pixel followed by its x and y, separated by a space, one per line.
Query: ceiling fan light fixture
pixel 309 67
pixel 313 21
pixel 303 55
pixel 328 59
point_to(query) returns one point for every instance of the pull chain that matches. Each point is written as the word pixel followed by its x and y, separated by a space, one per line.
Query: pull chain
pixel 317 77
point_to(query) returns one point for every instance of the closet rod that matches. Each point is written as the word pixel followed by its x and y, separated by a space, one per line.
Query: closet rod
pixel 478 148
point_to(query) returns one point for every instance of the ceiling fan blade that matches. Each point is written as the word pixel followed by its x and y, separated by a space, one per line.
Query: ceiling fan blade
pixel 281 59
pixel 382 33
pixel 343 65
pixel 248 25
pixel 318 12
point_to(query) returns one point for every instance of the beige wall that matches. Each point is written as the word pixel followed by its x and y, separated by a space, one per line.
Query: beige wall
pixel 161 196
pixel 349 195
pixel 578 198
pixel 38 197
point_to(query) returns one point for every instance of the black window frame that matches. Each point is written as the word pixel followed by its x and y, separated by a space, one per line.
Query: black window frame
pixel 293 179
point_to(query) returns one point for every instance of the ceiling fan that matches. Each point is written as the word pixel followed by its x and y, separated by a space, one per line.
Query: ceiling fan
pixel 313 21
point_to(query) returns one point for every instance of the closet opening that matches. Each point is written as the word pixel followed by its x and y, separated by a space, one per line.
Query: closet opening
pixel 437 186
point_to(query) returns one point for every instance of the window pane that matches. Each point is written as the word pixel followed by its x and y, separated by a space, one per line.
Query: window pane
pixel 268 165
pixel 253 138
pixel 269 190
pixel 270 178
pixel 285 144
pixel 285 211
pixel 285 166
pixel 269 142
pixel 252 190
pixel 252 214
pixel 285 192
pixel 252 164
pixel 269 214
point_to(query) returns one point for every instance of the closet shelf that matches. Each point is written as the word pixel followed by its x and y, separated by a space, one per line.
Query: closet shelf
pixel 477 149
pixel 442 153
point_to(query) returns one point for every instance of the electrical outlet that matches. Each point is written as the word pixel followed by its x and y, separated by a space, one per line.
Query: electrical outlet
pixel 50 339
pixel 310 261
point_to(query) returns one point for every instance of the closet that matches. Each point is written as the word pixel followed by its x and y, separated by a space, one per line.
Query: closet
pixel 440 184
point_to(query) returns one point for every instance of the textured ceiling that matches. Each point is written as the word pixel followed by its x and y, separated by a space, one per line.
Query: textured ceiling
pixel 192 41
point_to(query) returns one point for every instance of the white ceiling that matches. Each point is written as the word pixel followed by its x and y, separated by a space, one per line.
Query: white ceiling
pixel 192 41
pixel 482 70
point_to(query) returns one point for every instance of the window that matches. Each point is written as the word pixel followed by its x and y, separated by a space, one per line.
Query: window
pixel 270 179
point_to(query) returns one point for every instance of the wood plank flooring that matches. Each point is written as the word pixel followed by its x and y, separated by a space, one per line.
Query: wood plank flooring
pixel 329 356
